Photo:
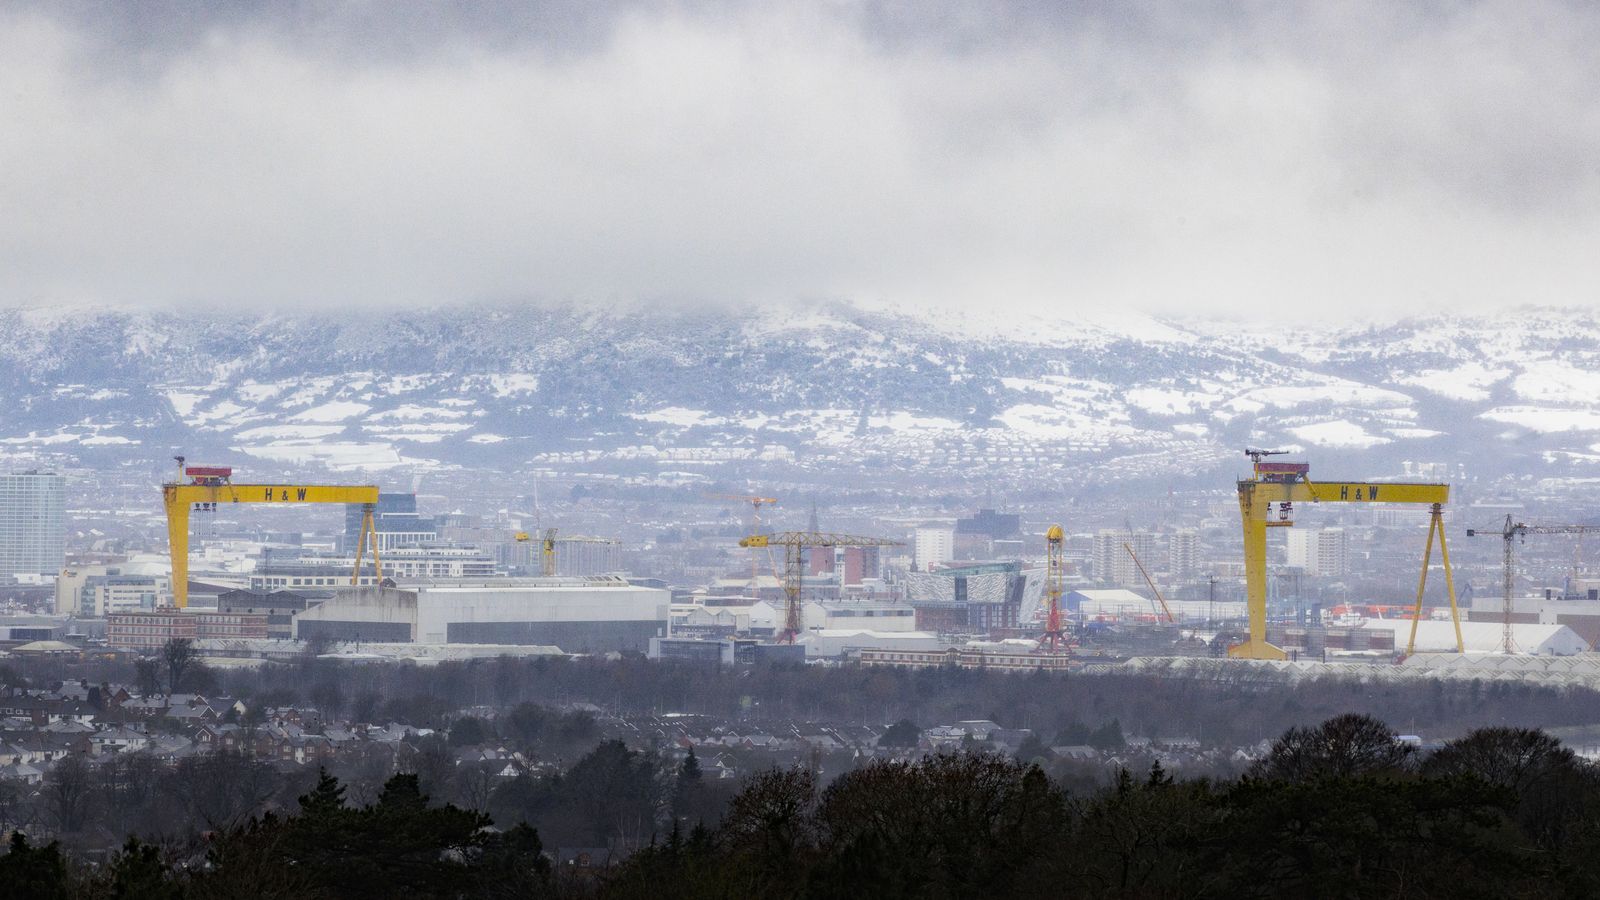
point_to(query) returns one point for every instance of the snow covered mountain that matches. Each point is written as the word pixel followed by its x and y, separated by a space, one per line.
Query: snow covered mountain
pixel 837 393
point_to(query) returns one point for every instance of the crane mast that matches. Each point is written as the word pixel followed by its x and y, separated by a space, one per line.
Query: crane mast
pixel 1509 533
pixel 1054 576
pixel 755 523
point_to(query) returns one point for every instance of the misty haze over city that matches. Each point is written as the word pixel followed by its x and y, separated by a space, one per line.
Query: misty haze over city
pixel 711 450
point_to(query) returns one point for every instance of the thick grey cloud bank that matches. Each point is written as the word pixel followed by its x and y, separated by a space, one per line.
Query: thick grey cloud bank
pixel 1279 159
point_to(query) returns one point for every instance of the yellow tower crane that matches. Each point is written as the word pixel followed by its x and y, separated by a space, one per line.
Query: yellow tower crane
pixel 795 544
pixel 755 523
pixel 1285 483
pixel 549 540
pixel 207 486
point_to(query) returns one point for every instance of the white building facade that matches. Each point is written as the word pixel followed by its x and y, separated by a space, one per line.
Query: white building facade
pixel 33 523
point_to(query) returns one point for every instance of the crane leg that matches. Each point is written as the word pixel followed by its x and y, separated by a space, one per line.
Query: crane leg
pixel 1449 580
pixel 178 546
pixel 1254 519
pixel 1422 583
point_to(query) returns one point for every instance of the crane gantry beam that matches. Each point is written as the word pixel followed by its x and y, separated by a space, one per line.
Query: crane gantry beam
pixel 212 485
pixel 1286 484
pixel 795 544
pixel 1511 531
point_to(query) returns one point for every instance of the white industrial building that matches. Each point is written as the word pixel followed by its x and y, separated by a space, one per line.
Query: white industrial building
pixel 1484 637
pixel 827 643
pixel 1124 605
pixel 847 614
pixel 579 615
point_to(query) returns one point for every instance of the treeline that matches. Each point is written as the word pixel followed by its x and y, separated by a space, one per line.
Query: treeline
pixel 1342 809
pixel 1226 706
pixel 1222 705
pixel 607 792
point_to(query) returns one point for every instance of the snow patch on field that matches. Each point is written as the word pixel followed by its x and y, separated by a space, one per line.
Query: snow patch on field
pixel 1545 419
pixel 1167 402
pixel 677 415
pixel 1339 393
pixel 412 412
pixel 1552 381
pixel 337 411
pixel 1338 433
pixel 334 454
pixel 1467 382
pixel 516 383
pixel 184 402
pixel 284 432
pixel 905 421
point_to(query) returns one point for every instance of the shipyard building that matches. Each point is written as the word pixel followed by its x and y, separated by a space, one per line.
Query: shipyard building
pixel 579 615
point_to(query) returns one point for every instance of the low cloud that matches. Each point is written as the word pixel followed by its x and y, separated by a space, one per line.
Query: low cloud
pixel 1325 159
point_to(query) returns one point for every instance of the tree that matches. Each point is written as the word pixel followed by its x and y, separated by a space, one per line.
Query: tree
pixel 69 791
pixel 32 872
pixel 688 789
pixel 139 871
pixel 1072 734
pixel 468 731
pixel 179 656
pixel 147 675
pixel 1108 737
pixel 1345 746
pixel 1513 758
pixel 1032 749
pixel 772 830
pixel 526 724
pixel 903 733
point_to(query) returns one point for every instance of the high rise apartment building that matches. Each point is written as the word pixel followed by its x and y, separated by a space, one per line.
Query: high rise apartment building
pixel 33 523
pixel 1322 552
pixel 934 546
pixel 1113 565
pixel 1183 554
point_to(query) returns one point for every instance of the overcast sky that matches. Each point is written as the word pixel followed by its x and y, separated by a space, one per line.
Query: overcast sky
pixel 1264 159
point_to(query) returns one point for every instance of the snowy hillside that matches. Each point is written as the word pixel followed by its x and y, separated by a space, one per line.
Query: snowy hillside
pixel 856 395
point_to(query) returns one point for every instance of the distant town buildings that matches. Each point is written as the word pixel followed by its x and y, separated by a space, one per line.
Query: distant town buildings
pixel 33 529
pixel 396 520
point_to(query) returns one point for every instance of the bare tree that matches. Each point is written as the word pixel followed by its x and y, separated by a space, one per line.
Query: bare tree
pixel 69 790
pixel 1346 746
pixel 180 657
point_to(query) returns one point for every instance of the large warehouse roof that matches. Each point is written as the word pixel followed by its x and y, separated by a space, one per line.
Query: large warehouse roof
pixel 1484 637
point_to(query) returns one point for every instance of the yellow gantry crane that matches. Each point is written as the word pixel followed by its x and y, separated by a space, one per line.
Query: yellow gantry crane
pixel 1284 484
pixel 207 486
pixel 795 544
pixel 549 540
